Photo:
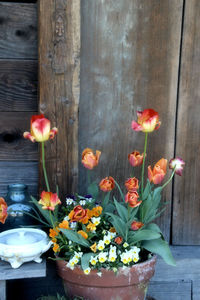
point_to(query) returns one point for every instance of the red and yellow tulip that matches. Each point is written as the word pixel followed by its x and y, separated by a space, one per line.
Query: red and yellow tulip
pixel 148 121
pixel 158 173
pixel 40 129
pixel 136 225
pixel 79 214
pixel 49 200
pixel 3 210
pixel 132 184
pixel 132 199
pixel 135 158
pixel 107 184
pixel 89 159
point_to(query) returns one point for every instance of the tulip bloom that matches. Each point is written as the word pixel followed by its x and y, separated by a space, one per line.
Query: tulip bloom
pixel 79 214
pixel 158 173
pixel 3 210
pixel 135 158
pixel 107 184
pixel 178 164
pixel 148 121
pixel 132 184
pixel 132 199
pixel 118 240
pixel 136 225
pixel 89 159
pixel 40 129
pixel 49 200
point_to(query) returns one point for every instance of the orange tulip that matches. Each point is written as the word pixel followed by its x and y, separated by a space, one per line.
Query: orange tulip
pixel 40 129
pixel 148 121
pixel 132 199
pixel 95 212
pixel 132 184
pixel 135 158
pixel 83 233
pixel 49 200
pixel 3 210
pixel 89 159
pixel 136 225
pixel 158 173
pixel 118 240
pixel 64 224
pixel 107 184
pixel 79 214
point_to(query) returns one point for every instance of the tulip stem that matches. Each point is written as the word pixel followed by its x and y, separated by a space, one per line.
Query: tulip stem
pixel 44 168
pixel 170 178
pixel 143 164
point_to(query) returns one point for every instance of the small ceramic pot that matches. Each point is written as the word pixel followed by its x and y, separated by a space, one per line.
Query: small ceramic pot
pixel 22 245
pixel 128 284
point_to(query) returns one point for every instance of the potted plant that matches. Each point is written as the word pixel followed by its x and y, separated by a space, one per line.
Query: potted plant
pixel 106 248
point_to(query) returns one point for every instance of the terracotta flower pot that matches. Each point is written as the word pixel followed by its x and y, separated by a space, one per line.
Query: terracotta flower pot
pixel 128 284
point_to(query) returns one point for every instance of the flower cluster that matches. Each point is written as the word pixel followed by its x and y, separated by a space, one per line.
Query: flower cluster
pixel 97 230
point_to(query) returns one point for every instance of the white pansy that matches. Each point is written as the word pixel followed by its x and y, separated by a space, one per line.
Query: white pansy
pixel 136 258
pixel 78 254
pixel 82 202
pixel 102 257
pixel 99 274
pixel 135 250
pixel 73 225
pixel 107 239
pixel 87 271
pixel 112 257
pixel 66 218
pixel 112 249
pixel 100 245
pixel 93 260
pixel 124 258
pixel 69 201
pixel 96 221
pixel 112 234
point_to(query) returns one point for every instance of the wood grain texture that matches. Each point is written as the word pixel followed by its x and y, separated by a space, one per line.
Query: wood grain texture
pixel 129 62
pixel 2 289
pixel 27 270
pixel 19 172
pixel 18 85
pixel 186 210
pixel 18 30
pixel 13 146
pixel 195 290
pixel 59 67
pixel 169 290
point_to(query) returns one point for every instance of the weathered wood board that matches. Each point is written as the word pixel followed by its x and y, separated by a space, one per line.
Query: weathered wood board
pixel 129 62
pixel 186 209
pixel 18 30
pixel 59 67
pixel 18 85
pixel 13 146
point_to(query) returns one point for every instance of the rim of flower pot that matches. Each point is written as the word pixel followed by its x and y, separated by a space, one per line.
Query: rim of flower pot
pixel 140 272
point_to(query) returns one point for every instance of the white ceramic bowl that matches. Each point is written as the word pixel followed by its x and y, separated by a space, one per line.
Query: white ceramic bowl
pixel 22 245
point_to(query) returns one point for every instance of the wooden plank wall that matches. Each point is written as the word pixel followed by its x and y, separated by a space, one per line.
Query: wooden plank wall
pixel 18 93
pixel 129 61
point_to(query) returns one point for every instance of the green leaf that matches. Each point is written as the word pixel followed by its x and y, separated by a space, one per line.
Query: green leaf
pixel 144 234
pixel 75 237
pixel 154 227
pixel 106 200
pixel 160 247
pixel 44 213
pixel 122 211
pixel 93 190
pixel 85 259
pixel 147 190
pixel 118 224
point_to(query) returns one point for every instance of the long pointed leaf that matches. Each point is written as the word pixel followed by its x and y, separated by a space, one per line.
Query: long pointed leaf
pixel 75 237
pixel 122 211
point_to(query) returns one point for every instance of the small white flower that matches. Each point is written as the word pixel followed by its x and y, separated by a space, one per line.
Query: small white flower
pixel 73 225
pixel 66 218
pixel 104 231
pixel 136 258
pixel 113 249
pixel 135 250
pixel 102 257
pixel 87 271
pixel 112 257
pixel 78 254
pixel 69 201
pixel 112 234
pixel 93 260
pixel 114 269
pixel 96 221
pixel 100 245
pixel 107 239
pixel 82 202
pixel 99 274
pixel 125 245
pixel 124 258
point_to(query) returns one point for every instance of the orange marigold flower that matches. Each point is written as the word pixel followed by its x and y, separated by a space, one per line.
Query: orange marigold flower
pixel 89 159
pixel 64 224
pixel 148 121
pixel 53 232
pixel 94 247
pixel 132 184
pixel 107 184
pixel 40 129
pixel 158 173
pixel 56 248
pixel 83 233
pixel 135 158
pixel 3 210
pixel 79 214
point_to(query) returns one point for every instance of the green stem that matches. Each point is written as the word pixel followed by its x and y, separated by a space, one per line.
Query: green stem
pixel 44 168
pixel 122 195
pixel 170 178
pixel 143 164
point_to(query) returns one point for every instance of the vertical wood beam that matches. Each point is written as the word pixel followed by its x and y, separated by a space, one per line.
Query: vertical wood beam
pixel 59 88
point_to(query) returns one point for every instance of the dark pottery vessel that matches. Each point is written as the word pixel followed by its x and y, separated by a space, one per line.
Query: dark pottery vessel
pixel 128 284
